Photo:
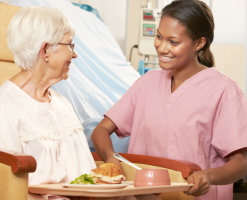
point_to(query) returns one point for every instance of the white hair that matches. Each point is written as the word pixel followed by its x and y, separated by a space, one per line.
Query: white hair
pixel 30 28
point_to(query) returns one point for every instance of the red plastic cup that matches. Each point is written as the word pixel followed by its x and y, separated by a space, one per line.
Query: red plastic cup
pixel 151 177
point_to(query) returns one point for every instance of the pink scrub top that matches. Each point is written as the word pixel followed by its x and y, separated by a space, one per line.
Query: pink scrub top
pixel 202 121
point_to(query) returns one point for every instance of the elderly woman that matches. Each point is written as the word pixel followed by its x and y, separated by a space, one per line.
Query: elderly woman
pixel 35 119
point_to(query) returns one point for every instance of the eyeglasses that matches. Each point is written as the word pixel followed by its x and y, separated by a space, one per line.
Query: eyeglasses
pixel 71 45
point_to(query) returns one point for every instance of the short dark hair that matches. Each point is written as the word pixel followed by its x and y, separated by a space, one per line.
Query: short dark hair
pixel 197 17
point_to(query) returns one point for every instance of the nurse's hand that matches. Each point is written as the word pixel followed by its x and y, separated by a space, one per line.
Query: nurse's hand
pixel 201 183
pixel 112 159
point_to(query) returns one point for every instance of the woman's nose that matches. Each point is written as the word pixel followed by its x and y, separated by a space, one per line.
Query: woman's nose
pixel 163 47
pixel 74 55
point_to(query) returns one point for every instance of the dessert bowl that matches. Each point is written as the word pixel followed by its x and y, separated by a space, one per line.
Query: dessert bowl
pixel 151 177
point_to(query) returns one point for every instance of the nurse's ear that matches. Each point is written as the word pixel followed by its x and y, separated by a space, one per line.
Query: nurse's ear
pixel 200 43
pixel 43 51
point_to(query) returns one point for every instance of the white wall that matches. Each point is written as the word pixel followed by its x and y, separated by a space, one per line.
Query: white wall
pixel 230 21
pixel 230 38
pixel 113 13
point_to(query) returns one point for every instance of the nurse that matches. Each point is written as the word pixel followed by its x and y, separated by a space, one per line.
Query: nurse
pixel 187 110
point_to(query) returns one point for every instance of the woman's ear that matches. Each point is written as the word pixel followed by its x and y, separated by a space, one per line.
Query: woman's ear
pixel 43 51
pixel 200 43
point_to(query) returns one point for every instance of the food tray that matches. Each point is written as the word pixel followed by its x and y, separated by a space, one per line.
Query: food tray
pixel 81 191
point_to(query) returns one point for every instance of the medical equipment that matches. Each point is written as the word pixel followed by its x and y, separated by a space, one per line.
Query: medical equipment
pixel 149 22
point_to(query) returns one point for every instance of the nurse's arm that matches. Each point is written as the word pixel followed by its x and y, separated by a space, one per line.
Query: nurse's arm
pixel 102 141
pixel 233 170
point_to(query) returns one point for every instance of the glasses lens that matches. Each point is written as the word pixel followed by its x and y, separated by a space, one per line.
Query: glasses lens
pixel 72 46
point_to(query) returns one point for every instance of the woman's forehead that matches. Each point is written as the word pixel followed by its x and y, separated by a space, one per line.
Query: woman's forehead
pixel 171 26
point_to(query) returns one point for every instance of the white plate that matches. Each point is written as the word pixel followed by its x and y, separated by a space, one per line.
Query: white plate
pixel 99 186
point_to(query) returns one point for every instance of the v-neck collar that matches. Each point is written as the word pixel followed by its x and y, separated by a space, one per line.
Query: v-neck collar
pixel 187 83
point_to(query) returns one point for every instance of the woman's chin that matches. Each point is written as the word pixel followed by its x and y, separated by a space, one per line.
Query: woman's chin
pixel 65 76
pixel 165 67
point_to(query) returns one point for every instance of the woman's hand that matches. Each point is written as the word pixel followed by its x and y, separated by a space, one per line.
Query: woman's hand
pixel 201 182
pixel 233 170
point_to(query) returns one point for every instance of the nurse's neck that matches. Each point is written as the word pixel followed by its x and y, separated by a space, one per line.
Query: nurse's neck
pixel 179 77
pixel 175 84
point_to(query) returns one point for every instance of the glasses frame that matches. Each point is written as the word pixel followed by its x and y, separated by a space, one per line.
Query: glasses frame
pixel 71 45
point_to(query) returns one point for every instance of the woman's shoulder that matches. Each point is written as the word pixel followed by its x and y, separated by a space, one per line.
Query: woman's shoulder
pixel 8 90
pixel 225 83
pixel 9 95
pixel 152 76
pixel 155 72
pixel 155 75
pixel 223 78
pixel 7 84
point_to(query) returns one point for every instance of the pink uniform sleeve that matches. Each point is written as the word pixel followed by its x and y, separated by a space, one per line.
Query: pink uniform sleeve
pixel 123 111
pixel 230 129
